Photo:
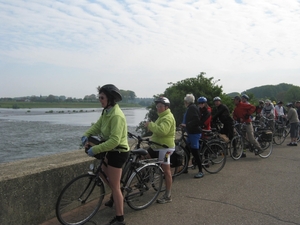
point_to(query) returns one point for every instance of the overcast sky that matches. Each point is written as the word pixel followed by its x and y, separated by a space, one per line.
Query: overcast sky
pixel 70 47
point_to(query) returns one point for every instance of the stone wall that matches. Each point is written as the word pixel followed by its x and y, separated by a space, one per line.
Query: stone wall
pixel 29 188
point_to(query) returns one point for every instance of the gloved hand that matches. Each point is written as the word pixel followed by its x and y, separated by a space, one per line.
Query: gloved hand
pixel 83 140
pixel 90 152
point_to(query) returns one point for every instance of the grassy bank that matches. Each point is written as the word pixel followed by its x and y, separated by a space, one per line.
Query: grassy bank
pixel 31 105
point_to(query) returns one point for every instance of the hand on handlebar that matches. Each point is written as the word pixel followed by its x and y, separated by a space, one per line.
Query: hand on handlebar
pixel 90 152
pixel 84 140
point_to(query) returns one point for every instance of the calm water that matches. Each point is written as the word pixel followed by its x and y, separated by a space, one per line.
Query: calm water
pixel 26 134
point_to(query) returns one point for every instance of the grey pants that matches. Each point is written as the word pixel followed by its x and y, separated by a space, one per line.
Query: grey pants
pixel 250 136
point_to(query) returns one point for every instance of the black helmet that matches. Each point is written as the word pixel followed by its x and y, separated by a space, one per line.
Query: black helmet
pixel 111 90
pixel 237 98
pixel 162 100
pixel 245 96
pixel 289 104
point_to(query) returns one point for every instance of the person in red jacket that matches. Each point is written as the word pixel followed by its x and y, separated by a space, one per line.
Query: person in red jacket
pixel 241 114
pixel 205 113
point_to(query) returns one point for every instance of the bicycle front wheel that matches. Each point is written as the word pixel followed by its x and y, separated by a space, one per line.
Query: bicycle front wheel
pixel 80 200
pixel 237 147
pixel 214 157
pixel 279 136
pixel 143 186
pixel 267 148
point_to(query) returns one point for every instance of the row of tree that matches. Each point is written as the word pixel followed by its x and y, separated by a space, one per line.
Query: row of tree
pixel 209 88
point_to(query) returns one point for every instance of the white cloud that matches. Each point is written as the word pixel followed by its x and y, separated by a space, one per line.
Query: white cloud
pixel 143 45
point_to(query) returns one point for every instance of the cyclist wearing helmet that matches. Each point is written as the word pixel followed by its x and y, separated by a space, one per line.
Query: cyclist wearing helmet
pixel 223 115
pixel 163 130
pixel 241 114
pixel 298 112
pixel 245 98
pixel 191 121
pixel 205 113
pixel 112 128
pixel 292 117
pixel 269 112
pixel 258 109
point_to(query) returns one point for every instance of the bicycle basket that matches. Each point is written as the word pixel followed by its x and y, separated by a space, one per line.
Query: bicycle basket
pixel 266 136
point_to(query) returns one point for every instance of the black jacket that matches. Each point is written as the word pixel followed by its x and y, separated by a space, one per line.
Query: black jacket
pixel 223 115
pixel 192 120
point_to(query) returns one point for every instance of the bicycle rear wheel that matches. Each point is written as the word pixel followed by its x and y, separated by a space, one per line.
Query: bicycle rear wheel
pixel 80 200
pixel 143 186
pixel 214 157
pixel 238 141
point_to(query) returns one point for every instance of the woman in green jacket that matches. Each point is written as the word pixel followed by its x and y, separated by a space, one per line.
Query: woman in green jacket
pixel 163 130
pixel 112 128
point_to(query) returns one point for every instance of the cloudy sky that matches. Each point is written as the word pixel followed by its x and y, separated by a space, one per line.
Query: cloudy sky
pixel 70 47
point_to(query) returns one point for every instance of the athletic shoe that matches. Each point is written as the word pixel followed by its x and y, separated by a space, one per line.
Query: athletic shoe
pixel 295 144
pixel 114 221
pixel 164 200
pixel 290 144
pixel 243 155
pixel 199 175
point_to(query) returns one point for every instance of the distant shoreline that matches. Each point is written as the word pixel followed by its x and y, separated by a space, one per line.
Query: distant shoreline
pixel 32 105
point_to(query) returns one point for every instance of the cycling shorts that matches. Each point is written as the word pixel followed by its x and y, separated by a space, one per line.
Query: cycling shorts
pixel 116 158
pixel 163 154
pixel 193 140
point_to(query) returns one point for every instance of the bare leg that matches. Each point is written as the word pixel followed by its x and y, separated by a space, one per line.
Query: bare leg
pixel 168 176
pixel 114 176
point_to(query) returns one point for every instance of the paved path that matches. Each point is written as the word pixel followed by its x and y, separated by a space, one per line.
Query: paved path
pixel 248 191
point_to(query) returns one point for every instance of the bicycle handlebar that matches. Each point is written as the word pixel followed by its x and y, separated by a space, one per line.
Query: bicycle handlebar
pixel 140 140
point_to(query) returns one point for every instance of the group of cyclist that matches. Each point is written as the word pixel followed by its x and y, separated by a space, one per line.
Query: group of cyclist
pixel 112 127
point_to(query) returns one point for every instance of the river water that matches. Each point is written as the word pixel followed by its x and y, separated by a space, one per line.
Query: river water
pixel 37 132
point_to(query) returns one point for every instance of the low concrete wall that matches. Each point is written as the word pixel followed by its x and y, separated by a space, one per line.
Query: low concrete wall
pixel 29 188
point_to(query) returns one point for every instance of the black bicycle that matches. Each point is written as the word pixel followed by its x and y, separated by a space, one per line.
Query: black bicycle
pixel 262 135
pixel 212 152
pixel 82 197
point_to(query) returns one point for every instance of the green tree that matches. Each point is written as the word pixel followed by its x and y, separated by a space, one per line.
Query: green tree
pixel 293 94
pixel 198 86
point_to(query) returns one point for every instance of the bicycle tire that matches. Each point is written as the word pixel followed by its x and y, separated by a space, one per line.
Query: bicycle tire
pixel 279 136
pixel 239 147
pixel 184 166
pixel 214 157
pixel 267 148
pixel 80 200
pixel 143 186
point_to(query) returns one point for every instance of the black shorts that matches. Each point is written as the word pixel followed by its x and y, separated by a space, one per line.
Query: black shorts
pixel 116 158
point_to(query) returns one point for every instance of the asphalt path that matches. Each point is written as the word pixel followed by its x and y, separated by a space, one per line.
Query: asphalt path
pixel 250 190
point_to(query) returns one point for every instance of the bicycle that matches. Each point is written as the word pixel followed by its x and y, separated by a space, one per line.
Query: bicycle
pixel 280 132
pixel 212 152
pixel 146 142
pixel 82 197
pixel 262 135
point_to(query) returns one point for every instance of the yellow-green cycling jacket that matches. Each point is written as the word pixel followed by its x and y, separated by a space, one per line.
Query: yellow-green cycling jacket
pixel 112 127
pixel 163 129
